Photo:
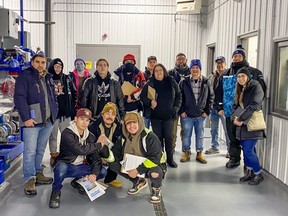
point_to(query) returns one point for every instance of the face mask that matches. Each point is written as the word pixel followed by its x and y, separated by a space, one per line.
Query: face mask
pixel 80 67
pixel 129 67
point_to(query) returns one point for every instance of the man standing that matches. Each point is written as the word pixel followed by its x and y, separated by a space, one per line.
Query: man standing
pixel 108 125
pixel 179 71
pixel 130 73
pixel 36 103
pixel 197 100
pixel 228 83
pixel 214 115
pixel 151 62
pixel 80 156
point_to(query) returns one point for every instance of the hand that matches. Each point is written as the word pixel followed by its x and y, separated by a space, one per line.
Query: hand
pixel 204 115
pixel 133 173
pixel 102 139
pixel 183 115
pixel 92 177
pixel 236 122
pixel 30 123
pixel 153 104
pixel 221 113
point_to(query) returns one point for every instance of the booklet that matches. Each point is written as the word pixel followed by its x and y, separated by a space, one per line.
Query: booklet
pixel 93 189
pixel 128 88
pixel 131 162
pixel 151 93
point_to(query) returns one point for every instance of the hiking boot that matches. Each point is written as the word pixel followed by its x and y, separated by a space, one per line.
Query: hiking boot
pixel 78 187
pixel 232 164
pixel 115 183
pixel 55 199
pixel 227 155
pixel 138 186
pixel 249 175
pixel 212 151
pixel 155 195
pixel 201 158
pixel 29 187
pixel 41 179
pixel 185 156
pixel 53 157
pixel 256 180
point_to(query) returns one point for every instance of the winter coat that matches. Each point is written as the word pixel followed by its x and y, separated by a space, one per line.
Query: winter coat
pixel 205 101
pixel 176 98
pixel 29 90
pixel 68 99
pixel 179 73
pixel 252 100
pixel 89 95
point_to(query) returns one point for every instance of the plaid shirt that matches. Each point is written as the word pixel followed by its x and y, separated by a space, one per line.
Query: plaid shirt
pixel 196 87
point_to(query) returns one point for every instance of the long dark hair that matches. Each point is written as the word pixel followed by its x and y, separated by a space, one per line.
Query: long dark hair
pixel 239 91
pixel 164 69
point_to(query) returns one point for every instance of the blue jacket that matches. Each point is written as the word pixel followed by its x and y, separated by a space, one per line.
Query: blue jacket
pixel 29 90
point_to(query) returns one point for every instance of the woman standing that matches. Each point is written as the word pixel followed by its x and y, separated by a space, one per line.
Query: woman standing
pixel 164 108
pixel 249 96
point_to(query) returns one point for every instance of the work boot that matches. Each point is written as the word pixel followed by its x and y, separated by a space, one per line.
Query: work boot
pixel 29 187
pixel 185 156
pixel 55 199
pixel 115 183
pixel 201 158
pixel 52 158
pixel 77 186
pixel 41 179
pixel 212 151
pixel 232 164
pixel 171 163
pixel 155 195
pixel 256 179
pixel 249 175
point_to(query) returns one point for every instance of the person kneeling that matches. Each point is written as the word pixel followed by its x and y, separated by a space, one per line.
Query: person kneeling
pixel 80 155
pixel 139 141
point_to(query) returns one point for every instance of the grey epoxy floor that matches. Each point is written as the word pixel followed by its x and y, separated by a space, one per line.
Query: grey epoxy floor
pixel 191 189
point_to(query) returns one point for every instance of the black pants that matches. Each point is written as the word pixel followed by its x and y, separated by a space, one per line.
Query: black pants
pixel 235 148
pixel 111 176
pixel 164 131
pixel 155 182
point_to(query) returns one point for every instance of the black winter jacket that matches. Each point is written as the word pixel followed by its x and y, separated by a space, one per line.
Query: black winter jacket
pixel 188 99
pixel 153 153
pixel 252 100
pixel 70 148
pixel 89 95
pixel 176 99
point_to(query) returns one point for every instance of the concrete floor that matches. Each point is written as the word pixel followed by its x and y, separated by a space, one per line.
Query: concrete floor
pixel 191 189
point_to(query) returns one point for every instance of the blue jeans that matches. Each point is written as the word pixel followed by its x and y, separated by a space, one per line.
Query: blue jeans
pixel 251 159
pixel 188 124
pixel 35 141
pixel 147 122
pixel 214 118
pixel 63 170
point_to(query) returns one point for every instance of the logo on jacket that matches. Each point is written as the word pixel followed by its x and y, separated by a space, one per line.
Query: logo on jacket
pixel 103 91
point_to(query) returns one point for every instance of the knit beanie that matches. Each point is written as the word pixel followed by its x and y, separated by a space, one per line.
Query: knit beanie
pixel 240 50
pixel 109 107
pixel 245 71
pixel 57 61
pixel 195 62
pixel 79 59
pixel 129 57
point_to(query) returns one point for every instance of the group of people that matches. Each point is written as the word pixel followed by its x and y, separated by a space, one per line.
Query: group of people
pixel 99 124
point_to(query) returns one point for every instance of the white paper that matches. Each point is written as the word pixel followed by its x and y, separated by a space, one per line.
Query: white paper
pixel 131 162
pixel 93 189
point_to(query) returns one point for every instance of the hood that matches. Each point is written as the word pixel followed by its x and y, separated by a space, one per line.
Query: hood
pixel 73 127
pixel 97 75
pixel 141 127
pixel 52 71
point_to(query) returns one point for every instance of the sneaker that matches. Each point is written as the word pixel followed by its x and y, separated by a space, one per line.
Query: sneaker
pixel 55 199
pixel 29 187
pixel 156 195
pixel 41 179
pixel 185 156
pixel 212 151
pixel 201 158
pixel 115 183
pixel 78 187
pixel 227 155
pixel 138 186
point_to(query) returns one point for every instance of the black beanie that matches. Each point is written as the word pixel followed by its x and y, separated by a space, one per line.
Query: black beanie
pixel 239 50
pixel 244 70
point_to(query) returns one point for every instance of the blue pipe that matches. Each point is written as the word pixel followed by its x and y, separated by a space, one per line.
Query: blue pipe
pixel 21 25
